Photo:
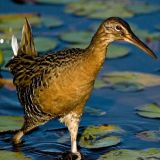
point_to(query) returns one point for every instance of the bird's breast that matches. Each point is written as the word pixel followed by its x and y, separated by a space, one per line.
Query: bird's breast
pixel 69 90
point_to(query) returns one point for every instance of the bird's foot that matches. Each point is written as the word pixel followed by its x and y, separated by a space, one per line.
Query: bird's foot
pixel 17 137
pixel 73 156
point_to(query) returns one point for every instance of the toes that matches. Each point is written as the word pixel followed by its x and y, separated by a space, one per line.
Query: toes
pixel 72 156
pixel 17 137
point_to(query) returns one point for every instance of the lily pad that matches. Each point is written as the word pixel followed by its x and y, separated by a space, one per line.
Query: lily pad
pixel 54 1
pixel 6 56
pixel 124 154
pixel 77 45
pixel 8 155
pixel 50 22
pixel 14 22
pixel 117 51
pixel 97 136
pixel 10 123
pixel 144 34
pixel 1 57
pixel 143 8
pixel 99 83
pixel 102 9
pixel 97 9
pixel 43 43
pixel 151 136
pixel 150 110
pixel 130 81
pixel 94 111
pixel 76 37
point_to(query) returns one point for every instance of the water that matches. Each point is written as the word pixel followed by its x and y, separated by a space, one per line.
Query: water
pixel 120 106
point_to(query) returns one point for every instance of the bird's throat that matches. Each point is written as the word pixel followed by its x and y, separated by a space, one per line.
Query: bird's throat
pixel 96 51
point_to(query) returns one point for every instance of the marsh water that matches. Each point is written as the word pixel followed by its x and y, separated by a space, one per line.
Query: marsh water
pixel 120 107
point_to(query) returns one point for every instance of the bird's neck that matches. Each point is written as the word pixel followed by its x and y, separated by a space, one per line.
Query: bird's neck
pixel 96 51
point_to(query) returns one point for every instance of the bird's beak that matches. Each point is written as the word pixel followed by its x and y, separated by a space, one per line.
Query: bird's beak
pixel 132 38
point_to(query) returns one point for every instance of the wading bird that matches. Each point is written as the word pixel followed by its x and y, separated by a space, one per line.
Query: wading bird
pixel 57 85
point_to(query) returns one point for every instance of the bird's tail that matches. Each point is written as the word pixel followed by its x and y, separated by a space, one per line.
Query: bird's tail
pixel 26 45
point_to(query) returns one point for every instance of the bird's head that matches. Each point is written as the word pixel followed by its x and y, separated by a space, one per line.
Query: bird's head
pixel 117 29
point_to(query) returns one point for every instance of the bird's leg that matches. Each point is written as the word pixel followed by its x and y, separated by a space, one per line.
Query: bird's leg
pixel 71 120
pixel 73 129
pixel 30 123
pixel 17 137
pixel 27 126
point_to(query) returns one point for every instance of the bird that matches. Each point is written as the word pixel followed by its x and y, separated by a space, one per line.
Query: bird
pixel 58 84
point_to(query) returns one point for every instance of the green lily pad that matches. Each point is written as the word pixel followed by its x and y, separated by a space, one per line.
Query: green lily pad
pixel 14 22
pixel 5 40
pixel 8 155
pixel 54 1
pixel 102 9
pixel 151 136
pixel 7 55
pixel 97 136
pixel 78 45
pixel 100 143
pixel 130 81
pixel 144 34
pixel 43 44
pixel 143 8
pixel 1 57
pixel 50 22
pixel 97 9
pixel 94 111
pixel 99 83
pixel 117 51
pixel 76 37
pixel 10 123
pixel 124 154
pixel 150 110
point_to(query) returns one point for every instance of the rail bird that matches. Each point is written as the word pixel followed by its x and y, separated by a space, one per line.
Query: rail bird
pixel 58 84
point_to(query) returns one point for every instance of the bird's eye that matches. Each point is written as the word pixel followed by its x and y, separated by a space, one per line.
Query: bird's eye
pixel 118 28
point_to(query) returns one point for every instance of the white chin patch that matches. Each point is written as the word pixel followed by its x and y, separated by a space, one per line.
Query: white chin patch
pixel 14 45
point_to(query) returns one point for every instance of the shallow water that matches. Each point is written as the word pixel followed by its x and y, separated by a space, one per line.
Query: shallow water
pixel 119 106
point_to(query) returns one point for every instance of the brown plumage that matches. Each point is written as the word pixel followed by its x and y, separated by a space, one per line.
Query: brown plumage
pixel 58 84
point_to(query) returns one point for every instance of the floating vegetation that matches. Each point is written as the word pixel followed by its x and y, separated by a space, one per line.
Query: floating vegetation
pixel 100 136
pixel 76 36
pixel 149 110
pixel 54 1
pixel 8 155
pixel 102 9
pixel 43 43
pixel 117 51
pixel 94 111
pixel 126 154
pixel 130 81
pixel 99 84
pixel 14 22
pixel 10 123
pixel 151 136
pixel 50 21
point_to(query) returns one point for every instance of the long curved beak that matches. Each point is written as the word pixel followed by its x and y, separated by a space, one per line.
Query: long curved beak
pixel 132 38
